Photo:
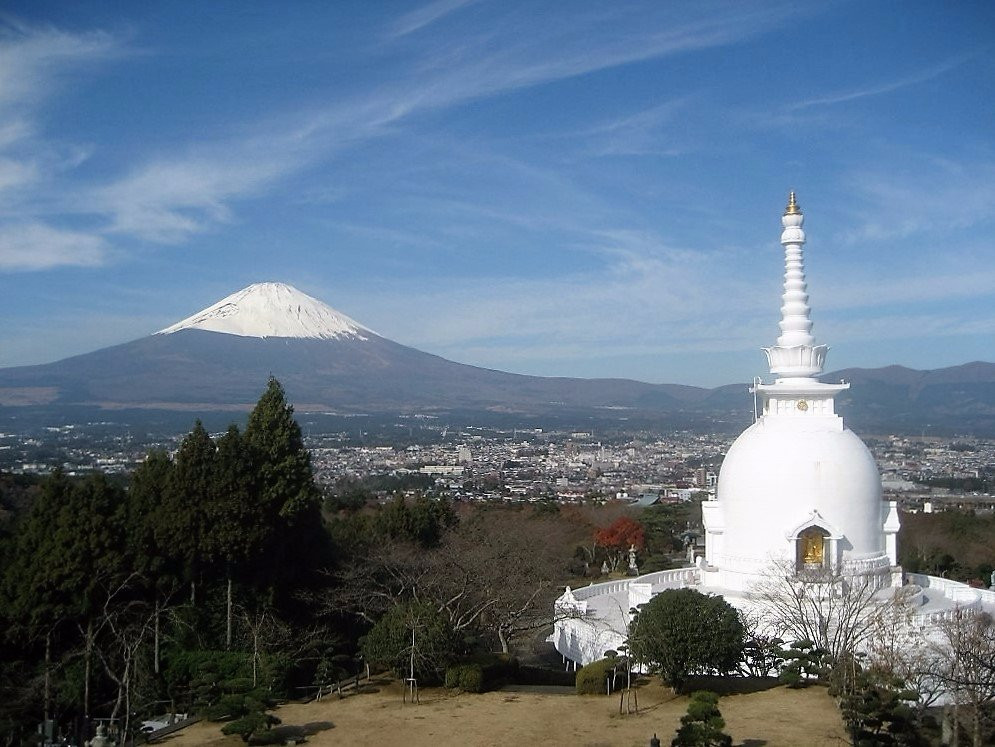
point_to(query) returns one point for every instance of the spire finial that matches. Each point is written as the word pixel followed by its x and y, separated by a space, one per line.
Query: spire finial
pixel 796 354
pixel 792 208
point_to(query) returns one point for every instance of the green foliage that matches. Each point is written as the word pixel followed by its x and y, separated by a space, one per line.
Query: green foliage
pixel 250 724
pixel 422 521
pixel 681 632
pixel 412 632
pixel 762 655
pixel 482 672
pixel 88 568
pixel 180 520
pixel 804 663
pixel 468 677
pixel 592 679
pixel 703 724
pixel 277 448
pixel 880 711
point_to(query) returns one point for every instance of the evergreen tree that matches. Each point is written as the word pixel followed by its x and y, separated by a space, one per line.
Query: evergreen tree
pixel 283 465
pixel 681 632
pixel 237 527
pixel 180 520
pixel 286 498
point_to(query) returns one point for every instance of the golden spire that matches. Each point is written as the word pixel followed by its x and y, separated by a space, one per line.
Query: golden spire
pixel 792 208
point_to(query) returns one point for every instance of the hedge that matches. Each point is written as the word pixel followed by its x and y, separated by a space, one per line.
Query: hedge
pixel 593 678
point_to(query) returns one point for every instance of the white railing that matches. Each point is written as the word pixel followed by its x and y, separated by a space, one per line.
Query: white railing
pixel 964 596
pixel 597 590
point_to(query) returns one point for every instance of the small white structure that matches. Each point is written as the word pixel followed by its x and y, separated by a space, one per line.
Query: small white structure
pixel 796 489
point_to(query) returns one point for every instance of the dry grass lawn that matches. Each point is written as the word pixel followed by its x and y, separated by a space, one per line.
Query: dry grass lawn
pixel 770 717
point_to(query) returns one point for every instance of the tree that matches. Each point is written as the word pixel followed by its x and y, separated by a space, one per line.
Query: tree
pixel 276 446
pixel 681 632
pixel 803 663
pixel 414 640
pixel 836 612
pixel 967 666
pixel 286 499
pixel 879 710
pixel 703 724
pixel 181 520
pixel 617 538
pixel 237 527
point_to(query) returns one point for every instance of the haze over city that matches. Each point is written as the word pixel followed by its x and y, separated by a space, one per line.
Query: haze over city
pixel 575 190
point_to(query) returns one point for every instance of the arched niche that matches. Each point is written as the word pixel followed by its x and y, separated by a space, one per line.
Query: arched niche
pixel 812 548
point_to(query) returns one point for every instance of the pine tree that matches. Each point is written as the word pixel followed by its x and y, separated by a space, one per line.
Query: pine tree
pixel 283 465
pixel 286 498
pixel 237 527
pixel 703 724
pixel 180 520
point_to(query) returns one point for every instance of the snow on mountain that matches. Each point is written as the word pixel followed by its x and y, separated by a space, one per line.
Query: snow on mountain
pixel 272 310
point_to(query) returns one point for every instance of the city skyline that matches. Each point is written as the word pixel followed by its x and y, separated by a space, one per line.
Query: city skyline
pixel 589 193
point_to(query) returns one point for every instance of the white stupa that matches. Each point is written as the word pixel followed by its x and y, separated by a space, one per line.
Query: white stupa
pixel 797 487
pixel 798 493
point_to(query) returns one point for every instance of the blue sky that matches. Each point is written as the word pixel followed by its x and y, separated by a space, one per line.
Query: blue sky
pixel 563 188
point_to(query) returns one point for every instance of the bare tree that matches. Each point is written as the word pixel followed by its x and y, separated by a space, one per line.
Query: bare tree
pixel 966 653
pixel 499 572
pixel 897 646
pixel 836 611
pixel 117 640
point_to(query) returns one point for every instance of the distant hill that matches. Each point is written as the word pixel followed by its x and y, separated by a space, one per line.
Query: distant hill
pixel 220 358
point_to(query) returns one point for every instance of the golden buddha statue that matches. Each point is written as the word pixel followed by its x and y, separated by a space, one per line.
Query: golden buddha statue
pixel 812 548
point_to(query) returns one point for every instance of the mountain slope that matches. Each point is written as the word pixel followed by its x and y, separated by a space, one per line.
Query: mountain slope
pixel 221 357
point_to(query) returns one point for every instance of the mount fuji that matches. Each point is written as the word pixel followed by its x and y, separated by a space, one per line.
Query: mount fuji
pixel 221 357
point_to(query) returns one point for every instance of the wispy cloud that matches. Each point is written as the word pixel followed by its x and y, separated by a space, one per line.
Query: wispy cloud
pixel 921 76
pixel 641 133
pixel 36 246
pixel 31 59
pixel 425 15
pixel 921 196
pixel 167 201
pixel 527 49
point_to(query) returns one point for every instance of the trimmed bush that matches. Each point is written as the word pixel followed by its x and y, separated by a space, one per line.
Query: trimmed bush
pixel 482 672
pixel 593 678
pixel 468 677
pixel 471 679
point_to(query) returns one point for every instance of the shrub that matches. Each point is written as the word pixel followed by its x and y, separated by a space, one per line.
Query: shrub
pixel 468 677
pixel 703 724
pixel 249 725
pixel 804 663
pixel 593 678
pixel 471 679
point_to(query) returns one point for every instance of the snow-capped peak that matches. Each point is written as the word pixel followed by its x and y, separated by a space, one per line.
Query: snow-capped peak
pixel 272 310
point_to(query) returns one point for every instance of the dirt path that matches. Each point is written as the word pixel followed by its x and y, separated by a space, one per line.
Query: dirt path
pixel 772 717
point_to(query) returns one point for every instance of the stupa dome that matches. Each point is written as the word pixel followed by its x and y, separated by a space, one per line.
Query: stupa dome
pixel 778 481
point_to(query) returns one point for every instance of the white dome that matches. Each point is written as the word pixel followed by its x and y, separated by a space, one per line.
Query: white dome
pixel 782 476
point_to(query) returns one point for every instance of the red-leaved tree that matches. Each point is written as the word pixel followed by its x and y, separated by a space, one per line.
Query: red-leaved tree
pixel 617 538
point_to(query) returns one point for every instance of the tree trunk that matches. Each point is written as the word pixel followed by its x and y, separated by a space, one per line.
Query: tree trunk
pixel 255 657
pixel 193 593
pixel 155 640
pixel 976 722
pixel 503 639
pixel 48 676
pixel 87 659
pixel 228 620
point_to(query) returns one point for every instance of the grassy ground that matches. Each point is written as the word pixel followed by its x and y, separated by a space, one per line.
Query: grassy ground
pixel 769 717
